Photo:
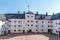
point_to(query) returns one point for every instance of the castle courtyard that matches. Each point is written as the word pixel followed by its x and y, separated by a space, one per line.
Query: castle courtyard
pixel 30 36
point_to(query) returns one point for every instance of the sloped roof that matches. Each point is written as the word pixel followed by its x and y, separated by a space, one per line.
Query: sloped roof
pixel 29 12
pixel 22 16
pixel 55 16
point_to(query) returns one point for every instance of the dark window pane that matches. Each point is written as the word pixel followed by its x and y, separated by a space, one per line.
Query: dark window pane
pixel 18 25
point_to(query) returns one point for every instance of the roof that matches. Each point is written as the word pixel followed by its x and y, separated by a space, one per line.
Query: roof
pixel 29 12
pixel 55 16
pixel 42 17
pixel 22 16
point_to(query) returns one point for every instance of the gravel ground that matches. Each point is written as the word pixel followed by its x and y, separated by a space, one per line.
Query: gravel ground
pixel 45 36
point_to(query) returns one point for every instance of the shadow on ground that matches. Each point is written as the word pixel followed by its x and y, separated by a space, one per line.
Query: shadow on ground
pixel 51 36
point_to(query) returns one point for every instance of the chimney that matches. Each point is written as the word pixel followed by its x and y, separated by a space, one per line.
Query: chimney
pixel 53 13
pixel 18 12
pixel 37 12
pixel 23 12
pixel 46 13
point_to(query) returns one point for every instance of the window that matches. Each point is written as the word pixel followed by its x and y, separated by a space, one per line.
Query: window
pixel 18 30
pixel 9 21
pixel 56 23
pixel 36 25
pixel 42 21
pixel 42 25
pixel 2 25
pixel 14 25
pixel 59 23
pixel 57 31
pixel 15 21
pixel 28 25
pixel 28 21
pixel 14 30
pixel 31 16
pixel 36 30
pixel 48 21
pixel 18 25
pixel 19 21
pixel 36 21
pixel 42 30
pixel 48 25
pixel 1 31
pixel 31 25
pixel 2 20
pixel 9 25
pixel 28 16
pixel 31 20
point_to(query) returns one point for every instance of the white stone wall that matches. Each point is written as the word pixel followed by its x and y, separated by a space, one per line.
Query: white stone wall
pixel 13 23
pixel 56 26
pixel 45 25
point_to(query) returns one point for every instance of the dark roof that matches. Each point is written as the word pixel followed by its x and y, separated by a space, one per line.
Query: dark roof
pixel 12 16
pixel 29 12
pixel 22 16
pixel 55 16
pixel 42 17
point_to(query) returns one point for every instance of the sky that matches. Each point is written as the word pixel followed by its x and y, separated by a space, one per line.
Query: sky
pixel 42 6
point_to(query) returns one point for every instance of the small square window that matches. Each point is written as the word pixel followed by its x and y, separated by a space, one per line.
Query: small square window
pixel 48 21
pixel 19 21
pixel 42 21
pixel 59 23
pixel 28 21
pixel 14 25
pixel 36 25
pixel 48 25
pixel 18 30
pixel 31 16
pixel 15 21
pixel 42 30
pixel 31 25
pixel 57 31
pixel 28 25
pixel 14 30
pixel 36 30
pixel 31 20
pixel 28 16
pixel 42 25
pixel 56 23
pixel 9 25
pixel 1 31
pixel 2 25
pixel 36 21
pixel 18 25
pixel 9 21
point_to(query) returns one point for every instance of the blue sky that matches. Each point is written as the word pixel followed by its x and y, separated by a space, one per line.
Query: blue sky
pixel 42 6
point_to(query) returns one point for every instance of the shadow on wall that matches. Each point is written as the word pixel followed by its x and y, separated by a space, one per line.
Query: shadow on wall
pixel 51 36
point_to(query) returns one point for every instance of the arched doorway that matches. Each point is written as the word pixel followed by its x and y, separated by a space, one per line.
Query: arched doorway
pixel 29 31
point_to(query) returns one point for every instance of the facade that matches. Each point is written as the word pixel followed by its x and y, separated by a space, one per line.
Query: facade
pixel 29 22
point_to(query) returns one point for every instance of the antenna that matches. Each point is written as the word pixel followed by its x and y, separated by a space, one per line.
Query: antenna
pixel 28 7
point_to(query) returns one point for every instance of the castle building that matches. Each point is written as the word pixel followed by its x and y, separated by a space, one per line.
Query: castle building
pixel 29 22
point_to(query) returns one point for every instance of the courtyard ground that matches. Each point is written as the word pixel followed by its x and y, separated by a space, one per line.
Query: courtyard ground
pixel 30 36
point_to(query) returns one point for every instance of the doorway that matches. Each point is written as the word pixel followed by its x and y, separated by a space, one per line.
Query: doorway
pixel 4 32
pixel 8 31
pixel 49 30
pixel 23 31
pixel 29 31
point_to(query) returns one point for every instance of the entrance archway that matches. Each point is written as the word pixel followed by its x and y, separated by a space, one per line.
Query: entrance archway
pixel 29 31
